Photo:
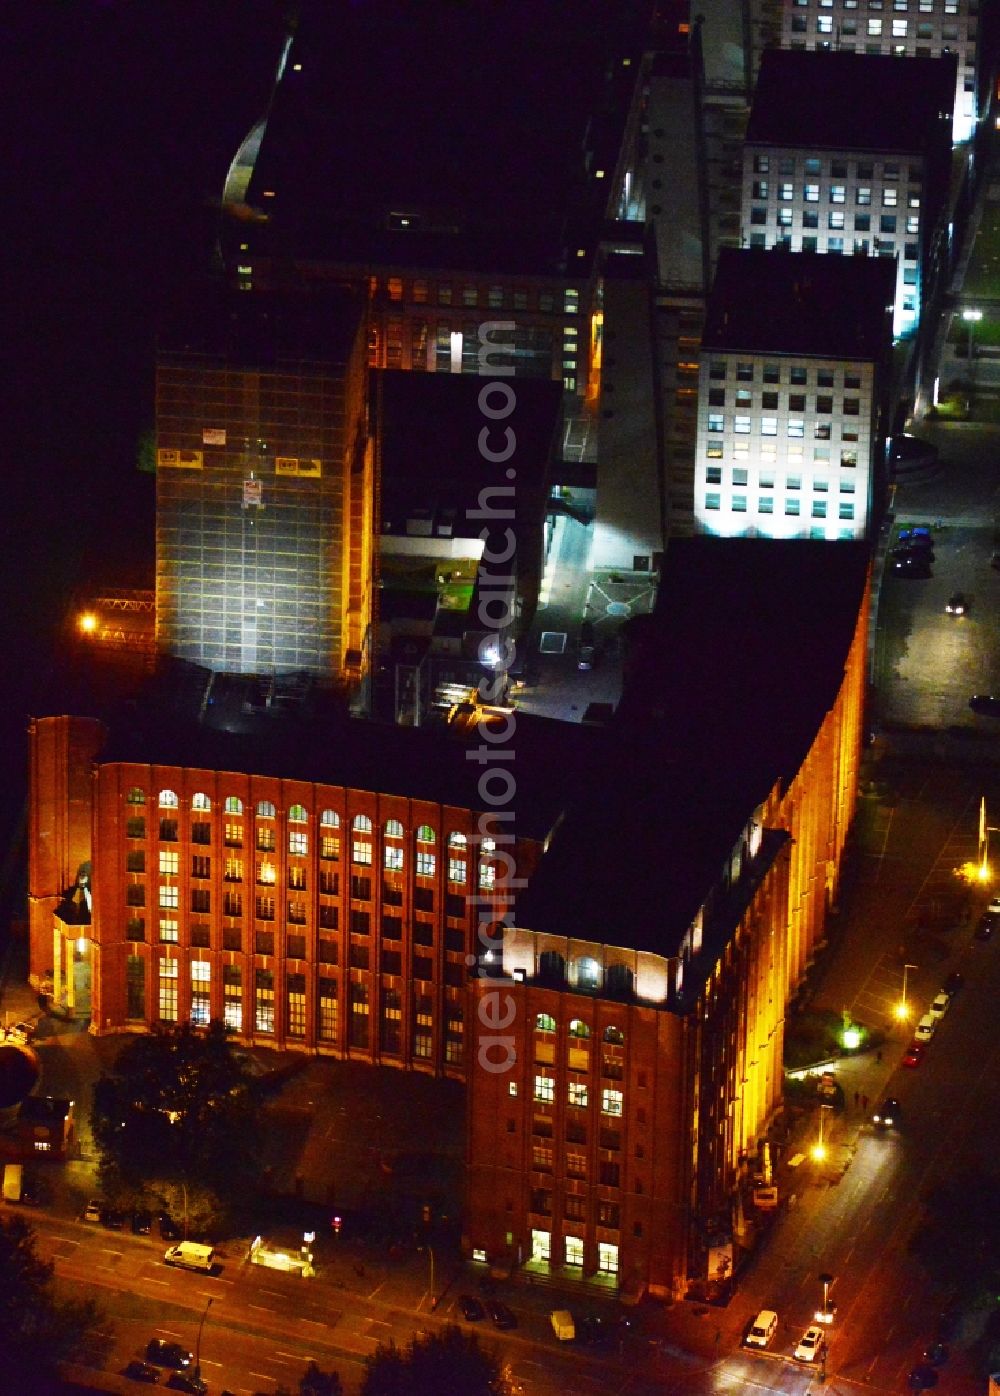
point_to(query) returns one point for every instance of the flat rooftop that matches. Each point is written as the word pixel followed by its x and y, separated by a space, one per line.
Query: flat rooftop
pixel 852 101
pixel 465 119
pixel 726 686
pixel 801 303
pixel 263 329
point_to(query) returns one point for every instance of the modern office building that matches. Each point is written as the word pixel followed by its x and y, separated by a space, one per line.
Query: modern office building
pixel 264 490
pixel 793 395
pixel 906 28
pixel 850 154
pixel 616 1120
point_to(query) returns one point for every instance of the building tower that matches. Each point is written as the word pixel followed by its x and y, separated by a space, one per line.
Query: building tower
pixel 264 487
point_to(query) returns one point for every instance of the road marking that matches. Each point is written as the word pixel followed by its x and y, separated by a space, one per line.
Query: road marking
pixel 295 1357
pixel 262 1308
pixel 207 1362
pixel 170 1332
pixel 150 1280
pixel 280 1362
pixel 266 1375
pixel 318 1321
pixel 278 1293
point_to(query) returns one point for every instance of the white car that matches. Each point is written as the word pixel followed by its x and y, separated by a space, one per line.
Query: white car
pixel 810 1344
pixel 92 1211
pixel 762 1329
pixel 994 906
pixel 940 1005
pixel 925 1029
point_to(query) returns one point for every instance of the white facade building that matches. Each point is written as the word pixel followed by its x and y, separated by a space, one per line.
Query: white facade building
pixel 791 408
pixel 869 182
pixel 903 28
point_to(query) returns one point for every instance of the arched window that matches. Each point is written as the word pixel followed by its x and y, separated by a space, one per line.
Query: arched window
pixel 233 805
pixel 330 819
pixel 488 844
pixel 168 799
pixel 457 840
pixel 425 834
pixel 297 814
pixel 578 1028
pixel 585 974
pixel 620 982
pixel 200 801
pixel 551 968
pixel 361 824
pixel 265 810
pixel 614 1036
pixel 545 1023
pixel 393 829
pixel 135 796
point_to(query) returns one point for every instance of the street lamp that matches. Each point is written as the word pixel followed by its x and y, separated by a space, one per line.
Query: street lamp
pixel 818 1150
pixel 826 1313
pixel 902 1007
pixel 971 318
pixel 430 1252
pixel 197 1346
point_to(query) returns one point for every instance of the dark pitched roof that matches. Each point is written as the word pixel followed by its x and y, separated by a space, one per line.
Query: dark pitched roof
pixel 802 303
pixel 726 687
pixel 851 101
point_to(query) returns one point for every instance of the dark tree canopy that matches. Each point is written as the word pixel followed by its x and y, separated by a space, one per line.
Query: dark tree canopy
pixel 449 1361
pixel 178 1112
pixel 37 1331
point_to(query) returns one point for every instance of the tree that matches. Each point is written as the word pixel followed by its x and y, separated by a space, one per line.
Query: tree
pixel 175 1122
pixel 315 1382
pixel 38 1331
pixel 450 1360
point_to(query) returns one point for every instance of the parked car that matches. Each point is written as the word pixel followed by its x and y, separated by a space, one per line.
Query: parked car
pixel 142 1223
pixel 953 983
pixel 92 1211
pixel 21 1033
pixel 985 705
pixel 165 1354
pixel 810 1344
pixel 187 1381
pixel 915 567
pixel 169 1229
pixel 112 1219
pixel 956 605
pixel 994 907
pixel 762 1330
pixel 500 1315
pixel 907 535
pixel 926 1028
pixel 922 1377
pixel 936 1353
pixel 887 1113
pixel 592 1330
pixel 940 1004
pixel 471 1308
pixel 137 1370
pixel 985 926
pixel 914 1054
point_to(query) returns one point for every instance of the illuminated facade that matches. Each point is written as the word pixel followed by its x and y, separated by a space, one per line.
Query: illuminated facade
pixel 264 488
pixel 822 173
pixel 919 29
pixel 792 406
pixel 619 1094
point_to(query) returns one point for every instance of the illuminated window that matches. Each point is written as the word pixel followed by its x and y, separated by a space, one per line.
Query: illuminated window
pixel 716 421
pixel 298 843
pixel 545 1089
pixel 393 858
pixel 265 809
pixel 201 992
pixel 169 897
pixel 168 799
pixel 297 815
pixel 169 862
pixel 329 819
pixel 611 1101
pixel 135 796
pixel 169 929
pixel 544 1022
pixel 200 801
pixel 263 1001
pixel 425 863
pixel 329 847
pixel 577 1093
pixel 168 991
pixel 457 870
pixel 233 805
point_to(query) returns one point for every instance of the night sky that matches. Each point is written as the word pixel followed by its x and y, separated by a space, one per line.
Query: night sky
pixel 118 123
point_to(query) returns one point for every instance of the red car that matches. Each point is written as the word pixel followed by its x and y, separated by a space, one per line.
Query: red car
pixel 914 1054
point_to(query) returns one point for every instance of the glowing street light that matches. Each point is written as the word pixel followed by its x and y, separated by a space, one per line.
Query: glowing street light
pixel 818 1150
pixel 971 318
pixel 87 622
pixel 902 1009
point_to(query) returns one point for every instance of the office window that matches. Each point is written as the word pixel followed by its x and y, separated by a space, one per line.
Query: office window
pixel 201 995
pixel 835 245
pixel 760 188
pixel 328 1010
pixel 169 862
pixel 824 24
pixel 758 217
pixel 874 28
pixel 298 843
pixel 716 421
pixel 785 218
pixel 744 373
pixel 545 1089
pixel 169 897
pixel 713 501
pixel 768 426
pixel 577 1093
pixel 824 404
pixel 295 1007
pixel 809 244
pixel 739 504
pixel 845 511
pixel 713 475
pixel 852 407
pixel 169 929
pixel 611 1101
pixel 835 219
pixel 786 192
pixel 796 427
pixel 838 193
pixel 761 164
pixel 168 991
pixel 716 397
pixel 765 504
pixel 263 1001
pixel 912 226
pixel 863 196
pixel 812 193
pixel 791 506
pixel 890 198
pixel 819 509
pixel 741 425
pixel 862 222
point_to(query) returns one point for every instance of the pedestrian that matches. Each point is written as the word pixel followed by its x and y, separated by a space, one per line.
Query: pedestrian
pixel 864 1103
pixel 857 1099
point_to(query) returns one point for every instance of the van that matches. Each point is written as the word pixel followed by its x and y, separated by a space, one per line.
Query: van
pixel 189 1255
pixel 562 1325
pixel 13 1177
pixel 762 1329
